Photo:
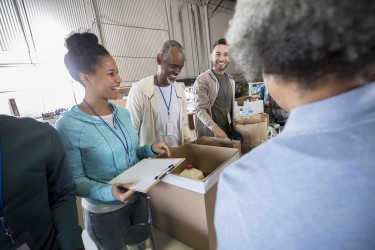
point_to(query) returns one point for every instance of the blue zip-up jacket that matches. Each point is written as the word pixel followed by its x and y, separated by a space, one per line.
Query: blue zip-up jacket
pixel 96 155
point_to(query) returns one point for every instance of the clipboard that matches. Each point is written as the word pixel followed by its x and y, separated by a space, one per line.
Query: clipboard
pixel 147 173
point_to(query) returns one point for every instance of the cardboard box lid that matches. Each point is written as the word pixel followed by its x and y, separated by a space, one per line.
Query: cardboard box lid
pixel 211 160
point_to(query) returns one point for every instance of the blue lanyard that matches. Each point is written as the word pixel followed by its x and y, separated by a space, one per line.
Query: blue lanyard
pixel 165 102
pixel 4 225
pixel 126 147
pixel 222 89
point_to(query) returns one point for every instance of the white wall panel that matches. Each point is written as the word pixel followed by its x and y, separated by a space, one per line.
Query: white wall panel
pixel 133 42
pixel 133 69
pixel 183 16
pixel 219 24
pixel 149 14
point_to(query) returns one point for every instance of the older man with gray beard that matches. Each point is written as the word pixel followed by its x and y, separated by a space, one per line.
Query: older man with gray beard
pixel 157 104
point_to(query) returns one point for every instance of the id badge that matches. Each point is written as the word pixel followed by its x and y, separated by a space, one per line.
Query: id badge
pixel 23 242
pixel 229 119
pixel 169 128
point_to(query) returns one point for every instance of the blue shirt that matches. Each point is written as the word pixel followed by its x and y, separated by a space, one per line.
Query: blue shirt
pixel 311 187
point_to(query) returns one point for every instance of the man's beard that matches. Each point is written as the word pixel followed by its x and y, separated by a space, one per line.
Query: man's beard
pixel 170 81
pixel 216 66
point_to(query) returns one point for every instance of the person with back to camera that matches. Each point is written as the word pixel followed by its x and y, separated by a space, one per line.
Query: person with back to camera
pixel 312 186
pixel 37 197
pixel 101 143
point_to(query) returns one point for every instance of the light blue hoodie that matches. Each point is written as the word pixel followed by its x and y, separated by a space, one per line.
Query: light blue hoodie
pixel 96 155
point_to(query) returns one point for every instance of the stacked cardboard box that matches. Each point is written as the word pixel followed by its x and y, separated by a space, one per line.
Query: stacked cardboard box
pixel 124 91
pixel 241 100
pixel 120 102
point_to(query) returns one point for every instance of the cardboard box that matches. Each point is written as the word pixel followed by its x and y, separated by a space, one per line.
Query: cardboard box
pixel 246 147
pixel 241 100
pixel 184 207
pixel 120 102
pixel 256 106
pixel 123 92
pixel 251 119
pixel 80 212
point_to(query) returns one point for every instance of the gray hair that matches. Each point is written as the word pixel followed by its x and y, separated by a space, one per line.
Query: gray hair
pixel 303 39
pixel 171 44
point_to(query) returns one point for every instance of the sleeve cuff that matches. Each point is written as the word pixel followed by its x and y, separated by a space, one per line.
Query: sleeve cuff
pixel 149 151
pixel 107 193
pixel 211 125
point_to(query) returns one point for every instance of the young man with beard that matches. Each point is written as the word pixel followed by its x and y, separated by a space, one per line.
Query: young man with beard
pixel 214 95
pixel 157 103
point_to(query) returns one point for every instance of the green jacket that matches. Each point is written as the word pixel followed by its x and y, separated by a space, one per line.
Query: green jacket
pixel 38 187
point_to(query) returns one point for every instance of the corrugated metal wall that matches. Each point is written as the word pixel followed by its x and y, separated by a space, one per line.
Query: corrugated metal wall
pixel 13 45
pixel 11 32
pixel 32 33
pixel 50 21
pixel 36 29
pixel 132 31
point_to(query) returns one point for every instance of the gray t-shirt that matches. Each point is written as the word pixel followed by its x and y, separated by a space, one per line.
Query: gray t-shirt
pixel 223 103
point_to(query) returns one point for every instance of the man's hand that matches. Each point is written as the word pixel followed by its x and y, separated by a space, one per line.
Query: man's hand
pixel 161 148
pixel 219 132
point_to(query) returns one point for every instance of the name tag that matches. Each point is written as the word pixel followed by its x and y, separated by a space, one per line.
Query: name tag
pixel 169 128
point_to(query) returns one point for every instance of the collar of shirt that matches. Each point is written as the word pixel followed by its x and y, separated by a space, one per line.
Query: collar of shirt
pixel 329 113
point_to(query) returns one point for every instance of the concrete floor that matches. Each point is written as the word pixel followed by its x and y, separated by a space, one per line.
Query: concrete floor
pixel 162 241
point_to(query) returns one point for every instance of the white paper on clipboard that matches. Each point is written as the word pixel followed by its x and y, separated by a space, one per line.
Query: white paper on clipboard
pixel 144 172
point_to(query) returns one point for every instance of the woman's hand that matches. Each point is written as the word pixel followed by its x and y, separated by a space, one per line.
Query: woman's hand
pixel 122 191
pixel 161 148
